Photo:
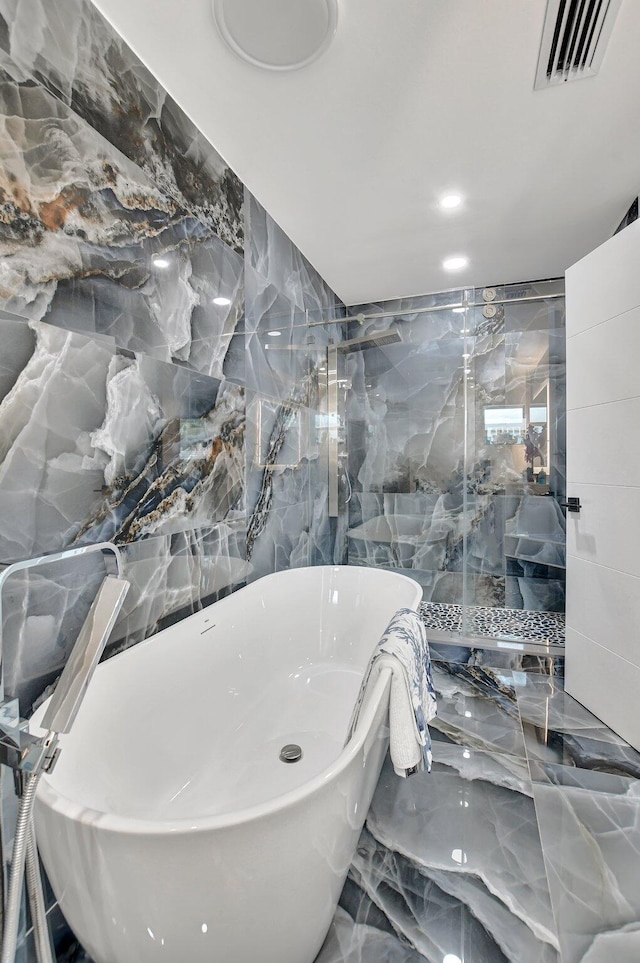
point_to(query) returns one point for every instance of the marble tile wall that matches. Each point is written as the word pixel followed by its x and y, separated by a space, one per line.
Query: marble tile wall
pixel 70 50
pixel 455 510
pixel 122 412
pixel 133 407
pixel 288 313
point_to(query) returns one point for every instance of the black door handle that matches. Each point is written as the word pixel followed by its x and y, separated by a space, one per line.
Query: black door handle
pixel 572 504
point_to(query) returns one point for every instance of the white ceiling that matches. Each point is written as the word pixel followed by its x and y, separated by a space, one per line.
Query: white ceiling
pixel 414 98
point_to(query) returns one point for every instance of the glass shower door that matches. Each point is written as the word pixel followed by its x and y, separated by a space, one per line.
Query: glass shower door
pixel 450 454
pixel 404 445
pixel 515 463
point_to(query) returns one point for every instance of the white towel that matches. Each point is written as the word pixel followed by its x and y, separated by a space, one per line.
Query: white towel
pixel 412 701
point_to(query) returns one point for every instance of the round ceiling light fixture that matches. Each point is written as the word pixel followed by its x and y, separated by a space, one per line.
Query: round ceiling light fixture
pixel 455 263
pixel 449 201
pixel 277 34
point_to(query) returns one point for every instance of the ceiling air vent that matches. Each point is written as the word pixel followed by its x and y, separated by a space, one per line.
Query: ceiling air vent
pixel 574 39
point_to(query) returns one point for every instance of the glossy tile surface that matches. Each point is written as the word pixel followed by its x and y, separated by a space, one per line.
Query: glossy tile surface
pixel 134 406
pixel 590 828
pixel 72 52
pixel 497 856
pixel 477 708
pixel 559 730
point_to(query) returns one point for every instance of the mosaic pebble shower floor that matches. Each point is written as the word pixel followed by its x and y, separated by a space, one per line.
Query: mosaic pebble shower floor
pixel 496 623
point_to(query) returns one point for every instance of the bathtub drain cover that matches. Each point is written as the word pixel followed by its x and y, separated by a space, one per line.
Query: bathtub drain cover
pixel 291 753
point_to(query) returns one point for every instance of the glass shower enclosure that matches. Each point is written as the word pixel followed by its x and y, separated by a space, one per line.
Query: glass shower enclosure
pixel 446 453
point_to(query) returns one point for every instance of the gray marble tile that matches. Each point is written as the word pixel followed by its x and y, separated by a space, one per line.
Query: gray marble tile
pixel 285 373
pixel 424 861
pixel 516 657
pixel 74 53
pixel 112 446
pixel 590 830
pixel 476 708
pixel 559 730
pixel 280 278
pixel 99 445
pixel 91 243
pixel 353 941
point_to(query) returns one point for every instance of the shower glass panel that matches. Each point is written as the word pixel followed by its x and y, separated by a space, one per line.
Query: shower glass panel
pixel 514 557
pixel 450 460
pixel 405 434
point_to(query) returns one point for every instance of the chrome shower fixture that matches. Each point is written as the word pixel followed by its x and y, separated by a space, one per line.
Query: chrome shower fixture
pixel 336 466
pixel 368 341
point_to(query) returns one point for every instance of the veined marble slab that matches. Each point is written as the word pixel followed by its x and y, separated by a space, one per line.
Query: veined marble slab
pixel 90 242
pixel 590 828
pixel 98 445
pixel 72 51
pixel 558 730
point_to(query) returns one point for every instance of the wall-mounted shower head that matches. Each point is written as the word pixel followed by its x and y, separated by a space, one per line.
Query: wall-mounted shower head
pixel 369 341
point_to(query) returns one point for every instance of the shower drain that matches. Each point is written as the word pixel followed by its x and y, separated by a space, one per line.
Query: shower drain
pixel 291 753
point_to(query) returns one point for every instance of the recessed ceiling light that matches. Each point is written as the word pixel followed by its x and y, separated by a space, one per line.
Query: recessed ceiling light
pixel 450 201
pixel 277 34
pixel 451 958
pixel 161 262
pixel 274 334
pixel 455 263
pixel 222 300
pixel 458 310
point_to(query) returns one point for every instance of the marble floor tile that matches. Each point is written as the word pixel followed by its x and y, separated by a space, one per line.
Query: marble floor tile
pixel 557 729
pixel 477 708
pixel 454 862
pixel 590 830
pixel 355 941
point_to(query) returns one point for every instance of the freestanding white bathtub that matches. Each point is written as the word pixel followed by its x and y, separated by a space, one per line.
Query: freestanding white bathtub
pixel 170 829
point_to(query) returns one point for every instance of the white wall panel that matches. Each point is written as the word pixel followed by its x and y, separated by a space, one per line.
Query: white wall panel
pixel 607 530
pixel 605 283
pixel 613 343
pixel 605 683
pixel 604 604
pixel 603 470
pixel 603 442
